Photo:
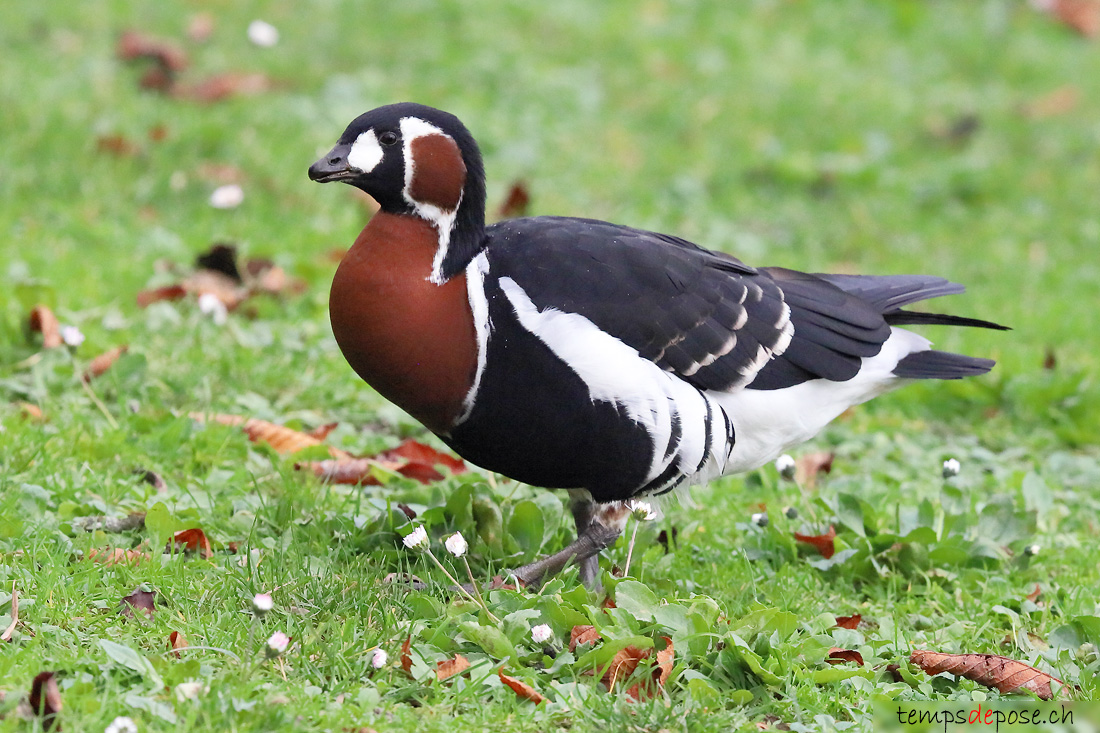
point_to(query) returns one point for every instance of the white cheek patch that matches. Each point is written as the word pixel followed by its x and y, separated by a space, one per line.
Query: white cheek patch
pixel 366 152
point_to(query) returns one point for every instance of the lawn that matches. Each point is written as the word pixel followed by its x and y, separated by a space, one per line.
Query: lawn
pixel 958 139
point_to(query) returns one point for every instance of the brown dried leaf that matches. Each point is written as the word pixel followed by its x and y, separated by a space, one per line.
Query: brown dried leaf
pixel 141 600
pixel 822 542
pixel 623 664
pixel 849 622
pixel 103 362
pixel 1006 675
pixel 521 688
pixel 321 432
pixel 158 79
pixel 837 655
pixel 221 257
pixel 282 439
pixel 648 688
pixel 407 510
pixel 809 465
pixel 116 556
pixel 45 322
pixel 425 457
pixel 450 667
pixel 134 45
pixel 223 86
pixel 1082 16
pixel 356 471
pixel 516 202
pixel 406 658
pixel 169 292
pixel 193 539
pixel 176 641
pixel 1060 101
pixel 45 700
pixel 33 412
pixel 582 635
pixel 116 145
pixel 6 634
pixel 1050 359
pixel 1034 595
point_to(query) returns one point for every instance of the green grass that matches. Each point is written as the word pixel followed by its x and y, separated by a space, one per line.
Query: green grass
pixel 798 134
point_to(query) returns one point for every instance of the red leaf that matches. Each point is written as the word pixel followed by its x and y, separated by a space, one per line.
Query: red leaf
pixel 406 658
pixel 582 635
pixel 849 622
pixel 192 540
pixel 822 542
pixel 142 600
pixel 648 688
pixel 991 670
pixel 808 466
pixel 521 688
pixel 450 667
pixel 516 202
pixel 838 655
pixel 134 45
pixel 169 292
pixel 45 699
pixel 45 322
pixel 416 452
pixel 623 664
pixel 176 641
pixel 103 362
pixel 1034 595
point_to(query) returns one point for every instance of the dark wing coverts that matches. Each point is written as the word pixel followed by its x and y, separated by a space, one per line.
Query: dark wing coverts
pixel 709 318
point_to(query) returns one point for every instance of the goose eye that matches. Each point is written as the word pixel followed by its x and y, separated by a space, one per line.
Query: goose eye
pixel 387 138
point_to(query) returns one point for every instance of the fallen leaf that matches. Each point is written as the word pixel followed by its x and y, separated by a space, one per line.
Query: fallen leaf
pixel 158 79
pixel 176 641
pixel 141 600
pixel 169 292
pixel 192 540
pixel 895 674
pixel 116 555
pixel 516 202
pixel 622 665
pixel 1050 359
pixel 1060 101
pixel 6 634
pixel 648 688
pixel 116 145
pixel 407 510
pixel 99 365
pixel 837 655
pixel 45 322
pixel 427 457
pixel 406 658
pixel 1034 595
pixel 282 439
pixel 45 699
pixel 497 582
pixel 1082 16
pixel 1006 675
pixel 450 667
pixel 28 410
pixel 582 635
pixel 321 432
pixel 849 622
pixel 133 45
pixel 152 478
pixel 521 688
pixel 222 86
pixel 157 133
pixel 808 466
pixel 822 542
pixel 346 470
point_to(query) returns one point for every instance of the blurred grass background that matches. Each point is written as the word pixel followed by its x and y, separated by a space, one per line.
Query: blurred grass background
pixel 958 139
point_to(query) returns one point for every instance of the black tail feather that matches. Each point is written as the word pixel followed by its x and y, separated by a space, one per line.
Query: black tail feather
pixel 901 318
pixel 941 365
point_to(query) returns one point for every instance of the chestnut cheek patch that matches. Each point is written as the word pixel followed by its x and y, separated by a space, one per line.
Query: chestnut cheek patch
pixel 438 173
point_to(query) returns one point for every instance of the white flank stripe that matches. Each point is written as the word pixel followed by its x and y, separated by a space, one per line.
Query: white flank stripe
pixel 479 306
pixel 768 422
pixel 615 373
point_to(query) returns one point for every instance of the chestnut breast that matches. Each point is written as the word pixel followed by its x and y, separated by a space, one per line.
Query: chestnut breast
pixel 412 340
